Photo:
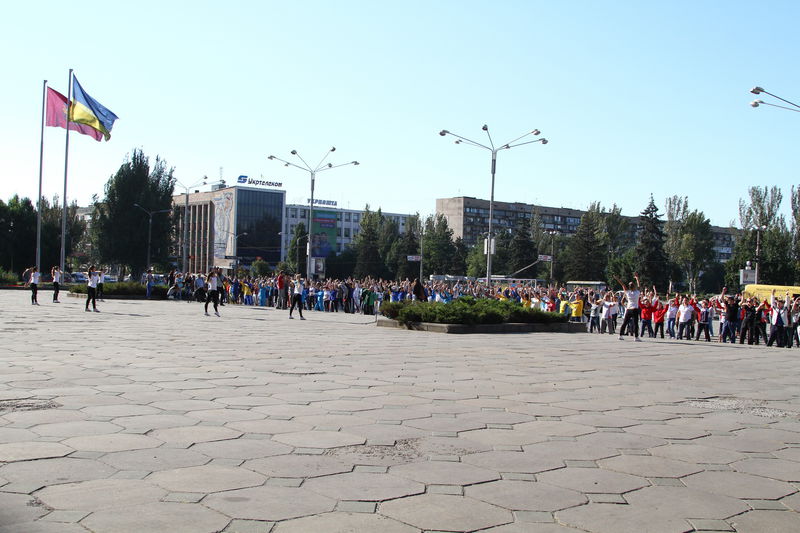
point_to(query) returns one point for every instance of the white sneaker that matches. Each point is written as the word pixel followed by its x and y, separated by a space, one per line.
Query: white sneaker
pixel 637 339
pixel 96 310
pixel 87 310
pixel 207 313
pixel 620 338
pixel 302 318
pixel 216 313
pixel 291 317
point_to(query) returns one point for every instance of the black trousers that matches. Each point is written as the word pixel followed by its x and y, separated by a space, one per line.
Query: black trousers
pixel 297 300
pixel 34 292
pixel 631 317
pixel 749 331
pixel 91 296
pixel 659 327
pixel 56 288
pixel 776 333
pixel 701 327
pixel 212 296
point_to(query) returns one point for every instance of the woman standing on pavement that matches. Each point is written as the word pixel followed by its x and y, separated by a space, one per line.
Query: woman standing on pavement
pixel 56 273
pixel 212 282
pixel 33 282
pixel 91 288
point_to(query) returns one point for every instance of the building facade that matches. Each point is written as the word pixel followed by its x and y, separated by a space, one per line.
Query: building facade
pixel 469 219
pixel 347 223
pixel 229 226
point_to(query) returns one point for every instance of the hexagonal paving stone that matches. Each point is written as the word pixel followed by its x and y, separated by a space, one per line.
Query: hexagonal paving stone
pixel 8 435
pixel 75 429
pixel 328 421
pixel 445 513
pixel 683 502
pixel 116 410
pixel 115 442
pixel 445 423
pixel 529 527
pixel 386 434
pixel 47 416
pixel 268 426
pixel 25 451
pixel 621 441
pixel 269 503
pixel 187 405
pixel 522 462
pixel 347 405
pixel 152 460
pixel 172 517
pixel 770 434
pixel 766 522
pixel 241 448
pixel 496 417
pixel 27 476
pixel 41 526
pixel 792 502
pixel 525 495
pixel 770 468
pixel 444 473
pixel 790 454
pixel 611 518
pixel 185 436
pixel 738 485
pixel 319 439
pixel 206 478
pixel 364 486
pixel 554 428
pixel 601 421
pixel 695 453
pixel 18 510
pixel 570 450
pixel 647 466
pixel 593 480
pixel 343 523
pixel 740 444
pixel 298 466
pixel 100 494
pixel 504 437
pixel 667 431
pixel 222 416
pixel 145 423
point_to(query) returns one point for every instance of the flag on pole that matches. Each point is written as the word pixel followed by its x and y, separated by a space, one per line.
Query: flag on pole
pixel 56 115
pixel 87 110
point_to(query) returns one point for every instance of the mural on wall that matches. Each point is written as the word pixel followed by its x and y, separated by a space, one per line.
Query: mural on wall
pixel 223 227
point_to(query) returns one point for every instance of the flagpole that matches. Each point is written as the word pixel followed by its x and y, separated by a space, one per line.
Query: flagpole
pixel 66 166
pixel 41 164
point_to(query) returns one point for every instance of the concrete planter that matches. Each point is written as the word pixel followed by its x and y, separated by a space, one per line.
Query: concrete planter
pixel 561 327
pixel 115 296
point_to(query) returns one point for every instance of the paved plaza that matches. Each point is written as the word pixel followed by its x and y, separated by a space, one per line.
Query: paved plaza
pixel 149 417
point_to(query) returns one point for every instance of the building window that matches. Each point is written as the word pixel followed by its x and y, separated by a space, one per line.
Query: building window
pixel 347 217
pixel 347 233
pixel 293 213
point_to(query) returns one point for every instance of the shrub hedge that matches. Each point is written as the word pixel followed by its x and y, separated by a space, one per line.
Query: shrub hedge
pixel 124 288
pixel 8 278
pixel 467 310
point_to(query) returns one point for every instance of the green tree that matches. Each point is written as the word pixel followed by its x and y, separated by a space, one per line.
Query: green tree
pixel 260 268
pixel 651 259
pixel 120 228
pixel 695 250
pixel 18 232
pixel 437 246
pixel 51 233
pixel 405 245
pixel 341 266
pixel 368 259
pixel 476 259
pixel 617 232
pixel 297 249
pixel 621 266
pixel 586 251
pixel 461 251
pixel 388 234
pixel 795 228
pixel 522 252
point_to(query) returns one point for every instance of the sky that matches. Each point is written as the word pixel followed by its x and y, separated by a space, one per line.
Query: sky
pixel 634 97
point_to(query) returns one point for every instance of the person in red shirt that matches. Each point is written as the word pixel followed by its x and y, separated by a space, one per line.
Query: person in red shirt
pixel 647 307
pixel 659 312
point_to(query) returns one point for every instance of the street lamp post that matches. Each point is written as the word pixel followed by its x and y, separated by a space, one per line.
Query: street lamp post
pixel 760 90
pixel 494 150
pixel 150 227
pixel 759 229
pixel 185 247
pixel 313 172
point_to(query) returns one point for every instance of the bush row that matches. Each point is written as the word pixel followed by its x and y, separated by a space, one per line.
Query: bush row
pixel 124 288
pixel 8 278
pixel 467 310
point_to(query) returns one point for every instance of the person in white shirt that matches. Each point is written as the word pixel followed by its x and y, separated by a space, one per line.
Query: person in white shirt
pixel 92 279
pixel 685 313
pixel 33 276
pixel 297 296
pixel 632 310
pixel 212 282
pixel 56 273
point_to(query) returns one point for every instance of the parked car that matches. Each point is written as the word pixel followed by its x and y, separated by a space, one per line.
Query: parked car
pixel 79 277
pixel 109 279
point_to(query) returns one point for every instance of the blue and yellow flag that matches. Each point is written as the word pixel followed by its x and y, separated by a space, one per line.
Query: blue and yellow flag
pixel 86 110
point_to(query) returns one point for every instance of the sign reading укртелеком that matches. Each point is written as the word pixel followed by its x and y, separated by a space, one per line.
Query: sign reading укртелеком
pixel 244 180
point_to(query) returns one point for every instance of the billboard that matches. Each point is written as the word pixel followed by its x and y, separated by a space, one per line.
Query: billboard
pixel 323 233
pixel 223 227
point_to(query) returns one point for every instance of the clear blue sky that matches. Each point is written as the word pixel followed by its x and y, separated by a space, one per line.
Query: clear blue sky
pixel 635 97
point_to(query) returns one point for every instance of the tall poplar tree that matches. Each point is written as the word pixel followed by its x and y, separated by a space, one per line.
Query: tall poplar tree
pixel 651 260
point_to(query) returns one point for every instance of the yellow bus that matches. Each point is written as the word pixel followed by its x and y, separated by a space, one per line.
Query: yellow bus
pixel 764 292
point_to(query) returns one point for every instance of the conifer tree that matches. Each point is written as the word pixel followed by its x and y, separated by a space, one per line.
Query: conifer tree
pixel 651 260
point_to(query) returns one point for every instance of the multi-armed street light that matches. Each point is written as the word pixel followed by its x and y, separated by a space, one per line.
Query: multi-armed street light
pixel 150 226
pixel 756 103
pixel 204 181
pixel 313 172
pixel 494 150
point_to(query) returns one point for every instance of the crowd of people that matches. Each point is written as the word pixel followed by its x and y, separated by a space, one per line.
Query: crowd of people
pixel 642 311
